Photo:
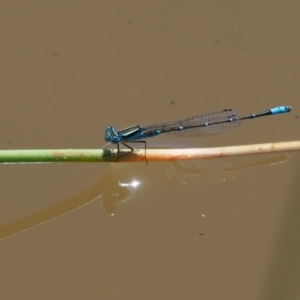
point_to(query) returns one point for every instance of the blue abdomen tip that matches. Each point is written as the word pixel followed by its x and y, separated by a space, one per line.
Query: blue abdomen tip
pixel 281 109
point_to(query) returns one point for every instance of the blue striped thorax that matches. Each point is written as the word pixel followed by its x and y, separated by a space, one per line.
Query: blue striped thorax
pixel 131 133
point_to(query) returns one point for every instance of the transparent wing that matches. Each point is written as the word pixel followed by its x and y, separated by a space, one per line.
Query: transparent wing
pixel 201 125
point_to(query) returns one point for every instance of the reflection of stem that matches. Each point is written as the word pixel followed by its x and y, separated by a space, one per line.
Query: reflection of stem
pixel 99 155
pixel 213 172
pixel 49 213
pixel 266 162
pixel 107 193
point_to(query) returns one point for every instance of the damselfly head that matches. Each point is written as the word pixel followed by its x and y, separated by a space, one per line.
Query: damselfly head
pixel 111 135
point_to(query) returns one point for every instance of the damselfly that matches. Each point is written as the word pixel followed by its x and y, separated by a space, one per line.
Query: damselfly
pixel 201 125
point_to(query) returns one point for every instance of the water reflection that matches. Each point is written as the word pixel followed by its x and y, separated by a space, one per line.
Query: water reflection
pixel 118 192
pixel 212 171
pixel 203 172
pixel 118 187
pixel 109 195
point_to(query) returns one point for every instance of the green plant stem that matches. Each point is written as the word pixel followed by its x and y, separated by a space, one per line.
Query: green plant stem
pixel 56 155
pixel 100 155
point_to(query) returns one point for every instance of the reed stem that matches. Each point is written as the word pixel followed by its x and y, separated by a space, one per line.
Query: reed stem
pixel 104 155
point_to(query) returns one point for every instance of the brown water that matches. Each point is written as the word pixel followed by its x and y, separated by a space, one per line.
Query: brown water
pixel 213 229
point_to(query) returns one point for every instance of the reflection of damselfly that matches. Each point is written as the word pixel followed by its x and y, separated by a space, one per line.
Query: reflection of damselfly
pixel 201 125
